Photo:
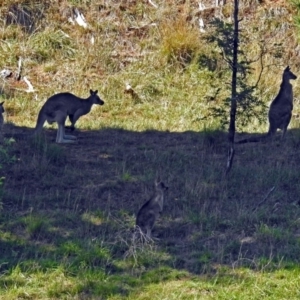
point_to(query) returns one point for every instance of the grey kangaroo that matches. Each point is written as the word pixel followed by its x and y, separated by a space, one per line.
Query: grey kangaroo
pixel 1 119
pixel 60 106
pixel 280 112
pixel 150 211
pixel 1 115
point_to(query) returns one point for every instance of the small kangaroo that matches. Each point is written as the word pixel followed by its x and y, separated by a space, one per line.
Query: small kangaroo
pixel 150 211
pixel 280 112
pixel 60 106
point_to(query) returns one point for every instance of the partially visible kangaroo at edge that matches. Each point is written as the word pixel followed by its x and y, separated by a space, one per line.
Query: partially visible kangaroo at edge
pixel 280 112
pixel 150 211
pixel 1 119
pixel 58 107
pixel 1 115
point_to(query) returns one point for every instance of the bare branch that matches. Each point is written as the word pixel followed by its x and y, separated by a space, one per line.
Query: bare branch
pixel 79 18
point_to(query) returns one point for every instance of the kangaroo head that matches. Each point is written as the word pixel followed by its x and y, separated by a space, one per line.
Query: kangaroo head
pixel 95 98
pixel 1 107
pixel 160 186
pixel 288 74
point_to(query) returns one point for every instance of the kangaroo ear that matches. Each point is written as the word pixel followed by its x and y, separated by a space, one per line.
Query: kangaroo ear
pixel 157 180
pixel 2 103
pixel 163 185
pixel 287 68
pixel 93 93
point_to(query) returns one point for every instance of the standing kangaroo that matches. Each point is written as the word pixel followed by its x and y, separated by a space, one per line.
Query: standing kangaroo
pixel 150 211
pixel 58 107
pixel 280 112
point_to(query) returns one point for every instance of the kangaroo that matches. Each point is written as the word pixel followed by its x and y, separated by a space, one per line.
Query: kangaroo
pixel 1 115
pixel 1 119
pixel 150 211
pixel 280 112
pixel 60 106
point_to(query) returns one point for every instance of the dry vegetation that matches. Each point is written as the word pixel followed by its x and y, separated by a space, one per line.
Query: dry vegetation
pixel 67 211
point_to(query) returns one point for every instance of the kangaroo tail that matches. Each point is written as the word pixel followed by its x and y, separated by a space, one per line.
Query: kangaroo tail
pixel 253 139
pixel 40 121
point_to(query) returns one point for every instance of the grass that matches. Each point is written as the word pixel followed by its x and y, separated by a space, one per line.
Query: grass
pixel 80 229
pixel 67 211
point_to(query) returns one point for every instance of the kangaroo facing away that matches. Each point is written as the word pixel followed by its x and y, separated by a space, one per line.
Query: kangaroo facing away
pixel 60 106
pixel 280 112
pixel 150 211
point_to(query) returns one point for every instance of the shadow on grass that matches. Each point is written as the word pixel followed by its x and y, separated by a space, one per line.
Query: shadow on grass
pixel 73 206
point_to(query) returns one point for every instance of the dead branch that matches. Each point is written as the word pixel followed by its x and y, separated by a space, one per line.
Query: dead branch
pixel 153 4
pixel 264 200
pixel 18 74
pixel 30 86
pixel 79 18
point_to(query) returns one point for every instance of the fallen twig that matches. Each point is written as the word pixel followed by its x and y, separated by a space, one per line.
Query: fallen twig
pixel 265 199
pixel 18 74
pixel 30 86
pixel 80 19
pixel 153 4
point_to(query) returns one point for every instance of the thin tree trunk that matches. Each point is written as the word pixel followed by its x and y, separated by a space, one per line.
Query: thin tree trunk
pixel 231 131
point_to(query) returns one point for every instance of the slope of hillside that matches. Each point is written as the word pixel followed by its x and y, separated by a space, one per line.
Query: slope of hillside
pixel 159 51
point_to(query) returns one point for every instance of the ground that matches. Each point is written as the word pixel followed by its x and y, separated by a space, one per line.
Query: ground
pixel 62 202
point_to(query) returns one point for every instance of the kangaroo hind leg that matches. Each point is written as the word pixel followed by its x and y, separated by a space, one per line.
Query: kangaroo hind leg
pixel 61 137
pixel 74 118
pixel 285 126
pixel 72 126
